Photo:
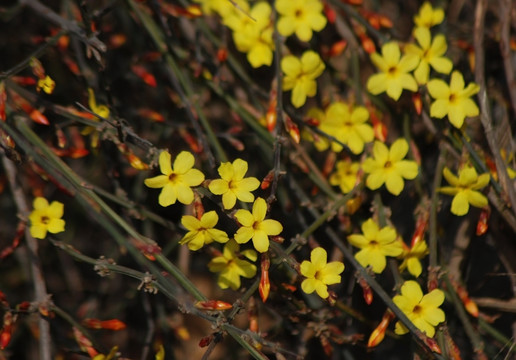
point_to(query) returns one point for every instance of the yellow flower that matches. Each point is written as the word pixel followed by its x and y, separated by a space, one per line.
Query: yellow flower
pixel 252 33
pixel 346 124
pixel 300 75
pixel 201 232
pixel 233 185
pixel 394 72
pixel 428 16
pixel 411 258
pixel 423 311
pixel 231 265
pixel 464 189
pixel 101 110
pixel 46 84
pixel 345 176
pixel 375 245
pixel 45 218
pixel 176 181
pixel 319 274
pixel 387 166
pixel 453 100
pixel 255 227
pixel 430 53
pixel 300 17
pixel 222 7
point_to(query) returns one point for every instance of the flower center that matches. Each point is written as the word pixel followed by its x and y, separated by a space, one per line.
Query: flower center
pixel 388 164
pixel 318 275
pixel 298 13
pixel 417 310
pixel 45 219
pixel 452 98
pixel 392 70
pixel 256 225
pixel 173 177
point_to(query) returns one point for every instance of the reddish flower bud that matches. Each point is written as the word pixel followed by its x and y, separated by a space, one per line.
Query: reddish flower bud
pixel 216 305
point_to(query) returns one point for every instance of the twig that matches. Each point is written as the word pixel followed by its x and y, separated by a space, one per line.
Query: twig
pixel 485 115
pixel 40 288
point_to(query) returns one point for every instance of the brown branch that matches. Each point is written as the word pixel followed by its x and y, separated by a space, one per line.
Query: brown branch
pixel 40 290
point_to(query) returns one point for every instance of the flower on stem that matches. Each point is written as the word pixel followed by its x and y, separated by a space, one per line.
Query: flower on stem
pixel 232 266
pixel 422 310
pixel 301 17
pixel 319 273
pixel 252 33
pixel 411 257
pixel 428 16
pixel 201 232
pixel 46 84
pixel 177 180
pixel 255 227
pixel 300 75
pixel 345 176
pixel 375 245
pixel 46 218
pixel 348 125
pixel 453 100
pixel 394 75
pixel 233 185
pixel 430 53
pixel 387 166
pixel 464 189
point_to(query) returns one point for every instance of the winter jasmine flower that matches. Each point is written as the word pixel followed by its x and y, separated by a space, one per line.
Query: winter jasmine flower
pixel 319 274
pixel 201 232
pixel 345 176
pixel 301 17
pixel 428 16
pixel 411 258
pixel 231 265
pixel 46 218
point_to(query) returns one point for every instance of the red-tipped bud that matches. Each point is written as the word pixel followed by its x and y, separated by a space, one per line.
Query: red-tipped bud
pixel 216 305
pixel 265 285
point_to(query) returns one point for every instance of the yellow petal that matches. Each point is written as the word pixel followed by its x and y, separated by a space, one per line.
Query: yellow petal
pixel 318 257
pixel 460 204
pixel 271 227
pixel 218 186
pixel 40 203
pixel 165 161
pixel 244 217
pixel 209 219
pixel 190 222
pixel 259 209
pixel 260 241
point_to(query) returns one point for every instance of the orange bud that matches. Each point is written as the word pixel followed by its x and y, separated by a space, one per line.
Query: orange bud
pixel 37 68
pixel 292 129
pixel 23 306
pixel 151 115
pixel 379 128
pixel 378 333
pixel 418 103
pixel 421 224
pixel 265 285
pixel 330 13
pixel 190 140
pixel 469 304
pixel 289 287
pixel 271 115
pixel 71 64
pixel 182 333
pixel 222 54
pixel 216 305
pixel 366 290
pixel 117 40
pixel 84 343
pixel 38 117
pixel 367 44
pixel 266 182
pixel 482 225
pixel 431 343
pixel 136 162
pixel 113 324
pixel 492 167
pixel 145 75
pixel 205 341
pixel 353 204
pixel 337 48
pixel 5 334
pixel 24 80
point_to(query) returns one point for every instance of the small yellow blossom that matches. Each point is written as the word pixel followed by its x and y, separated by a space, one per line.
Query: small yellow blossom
pixel 387 166
pixel 453 100
pixel 201 232
pixel 233 185
pixel 345 176
pixel 231 265
pixel 301 17
pixel 422 310
pixel 428 16
pixel 252 33
pixel 394 75
pixel 100 110
pixel 430 53
pixel 222 7
pixel 319 274
pixel 300 75
pixel 46 218
pixel 46 84
pixel 346 124
pixel 255 227
pixel 176 181
pixel 464 189
pixel 411 257
pixel 375 245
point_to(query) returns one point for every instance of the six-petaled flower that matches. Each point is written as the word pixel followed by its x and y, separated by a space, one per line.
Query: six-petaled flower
pixel 46 218
pixel 301 17
pixel 319 273
pixel 201 231
pixel 464 189
pixel 412 256
pixel 422 310
pixel 345 176
pixel 176 181
pixel 428 16
pixel 300 75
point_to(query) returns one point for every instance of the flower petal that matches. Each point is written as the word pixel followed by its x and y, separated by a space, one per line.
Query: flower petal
pixel 183 162
pixel 165 161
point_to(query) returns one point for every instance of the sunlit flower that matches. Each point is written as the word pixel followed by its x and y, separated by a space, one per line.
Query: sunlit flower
pixel 464 189
pixel 319 274
pixel 201 232
pixel 46 84
pixel 233 185
pixel 375 245
pixel 300 75
pixel 345 176
pixel 453 100
pixel 176 181
pixel 46 218
pixel 346 124
pixel 422 310
pixel 231 265
pixel 252 33
pixel 428 16
pixel 411 258
pixel 300 17
pixel 394 75
pixel 387 166
pixel 255 227
pixel 222 7
pixel 430 53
